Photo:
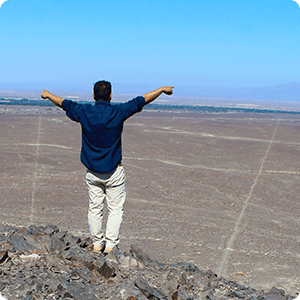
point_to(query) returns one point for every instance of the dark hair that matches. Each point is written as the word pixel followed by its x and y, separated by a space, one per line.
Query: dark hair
pixel 102 90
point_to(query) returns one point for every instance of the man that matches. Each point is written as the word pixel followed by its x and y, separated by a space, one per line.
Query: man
pixel 101 153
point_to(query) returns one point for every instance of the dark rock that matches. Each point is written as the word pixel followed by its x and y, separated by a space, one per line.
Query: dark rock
pixel 50 230
pixel 190 268
pixel 181 294
pixel 171 287
pixel 84 275
pixel 89 296
pixel 140 255
pixel 43 242
pixel 104 269
pixel 149 292
pixel 86 244
pixel 183 279
pixel 144 259
pixel 67 295
pixel 2 238
pixel 78 255
pixel 207 295
pixel 4 279
pixel 59 288
pixel 124 259
pixel 20 244
pixel 134 293
pixel 3 256
pixel 34 230
pixel 161 293
pixel 275 290
pixel 71 240
pixel 210 274
pixel 45 263
pixel 250 291
pixel 7 228
pixel 56 244
pixel 61 235
pixel 234 294
pixel 275 294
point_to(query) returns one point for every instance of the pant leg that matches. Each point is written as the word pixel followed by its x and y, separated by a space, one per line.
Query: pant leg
pixel 96 190
pixel 115 197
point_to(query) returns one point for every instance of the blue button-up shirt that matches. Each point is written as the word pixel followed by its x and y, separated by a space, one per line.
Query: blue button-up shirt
pixel 102 126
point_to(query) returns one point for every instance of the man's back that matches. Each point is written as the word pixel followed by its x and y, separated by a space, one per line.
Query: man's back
pixel 102 126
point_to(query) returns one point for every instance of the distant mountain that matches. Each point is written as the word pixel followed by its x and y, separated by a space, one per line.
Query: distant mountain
pixel 284 92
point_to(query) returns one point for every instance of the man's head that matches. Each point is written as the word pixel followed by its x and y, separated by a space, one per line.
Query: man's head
pixel 102 91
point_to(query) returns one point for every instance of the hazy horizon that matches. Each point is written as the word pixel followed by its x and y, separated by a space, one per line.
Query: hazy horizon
pixel 284 92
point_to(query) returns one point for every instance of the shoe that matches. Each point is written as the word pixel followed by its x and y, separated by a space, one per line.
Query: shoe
pixel 99 249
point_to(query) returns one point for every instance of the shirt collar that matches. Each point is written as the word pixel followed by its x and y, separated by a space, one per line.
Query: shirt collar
pixel 102 102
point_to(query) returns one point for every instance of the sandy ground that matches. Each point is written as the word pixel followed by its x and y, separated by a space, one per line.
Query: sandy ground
pixel 220 191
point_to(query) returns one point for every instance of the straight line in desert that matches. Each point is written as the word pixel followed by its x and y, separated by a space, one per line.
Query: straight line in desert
pixel 236 228
pixel 32 210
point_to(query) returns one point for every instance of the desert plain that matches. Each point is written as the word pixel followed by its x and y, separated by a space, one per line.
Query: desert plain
pixel 217 190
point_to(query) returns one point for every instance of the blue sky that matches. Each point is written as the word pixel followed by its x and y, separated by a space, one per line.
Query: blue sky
pixel 71 44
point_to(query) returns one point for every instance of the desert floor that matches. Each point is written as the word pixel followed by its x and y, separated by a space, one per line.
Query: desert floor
pixel 218 190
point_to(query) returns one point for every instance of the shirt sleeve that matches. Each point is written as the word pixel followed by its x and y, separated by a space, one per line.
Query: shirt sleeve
pixel 133 106
pixel 72 109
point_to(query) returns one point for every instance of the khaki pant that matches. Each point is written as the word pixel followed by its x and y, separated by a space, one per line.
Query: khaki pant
pixel 109 187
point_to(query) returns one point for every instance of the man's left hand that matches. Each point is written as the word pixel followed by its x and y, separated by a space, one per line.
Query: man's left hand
pixel 45 94
pixel 168 90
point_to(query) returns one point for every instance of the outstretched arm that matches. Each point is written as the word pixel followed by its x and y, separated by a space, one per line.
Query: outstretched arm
pixel 54 99
pixel 151 96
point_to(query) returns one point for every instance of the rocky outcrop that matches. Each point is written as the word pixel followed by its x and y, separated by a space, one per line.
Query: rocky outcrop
pixel 45 263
